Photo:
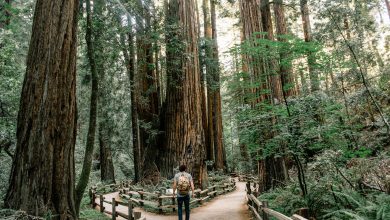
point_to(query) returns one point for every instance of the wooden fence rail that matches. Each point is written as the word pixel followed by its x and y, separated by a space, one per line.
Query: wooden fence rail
pixel 130 215
pixel 260 208
pixel 139 197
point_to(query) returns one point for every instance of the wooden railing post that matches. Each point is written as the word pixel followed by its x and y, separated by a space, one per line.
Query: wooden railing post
pixel 93 198
pixel 255 206
pixel 160 203
pixel 173 203
pixel 101 201
pixel 130 210
pixel 91 195
pixel 265 205
pixel 142 199
pixel 198 194
pixel 113 209
pixel 248 187
pixel 137 215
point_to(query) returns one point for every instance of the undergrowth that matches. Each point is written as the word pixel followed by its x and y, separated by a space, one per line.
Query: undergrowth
pixel 337 191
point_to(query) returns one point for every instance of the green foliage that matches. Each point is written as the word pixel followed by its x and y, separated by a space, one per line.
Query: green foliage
pixel 330 195
pixel 362 152
pixel 13 52
pixel 87 213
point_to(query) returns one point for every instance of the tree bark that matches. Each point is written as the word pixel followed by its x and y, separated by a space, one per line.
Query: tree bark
pixel 271 64
pixel 220 153
pixel 107 173
pixel 272 170
pixel 88 156
pixel 43 177
pixel 147 104
pixel 185 141
pixel 106 163
pixel 208 57
pixel 252 65
pixel 129 55
pixel 285 69
pixel 313 74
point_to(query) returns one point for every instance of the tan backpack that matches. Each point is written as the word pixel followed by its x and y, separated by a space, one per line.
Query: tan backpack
pixel 183 185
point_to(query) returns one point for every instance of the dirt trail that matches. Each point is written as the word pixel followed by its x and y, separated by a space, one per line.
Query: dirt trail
pixel 230 206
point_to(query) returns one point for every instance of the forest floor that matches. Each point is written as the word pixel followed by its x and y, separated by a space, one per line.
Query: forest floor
pixel 229 206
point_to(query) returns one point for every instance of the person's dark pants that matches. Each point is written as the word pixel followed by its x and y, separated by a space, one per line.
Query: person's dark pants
pixel 186 200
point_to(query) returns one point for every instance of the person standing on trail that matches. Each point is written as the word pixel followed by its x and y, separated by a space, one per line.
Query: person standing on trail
pixel 183 183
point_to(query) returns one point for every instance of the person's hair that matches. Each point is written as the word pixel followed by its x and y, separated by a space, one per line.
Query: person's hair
pixel 182 168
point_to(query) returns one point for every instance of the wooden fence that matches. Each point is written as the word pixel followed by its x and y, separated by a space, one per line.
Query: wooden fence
pixel 139 197
pixel 130 215
pixel 260 208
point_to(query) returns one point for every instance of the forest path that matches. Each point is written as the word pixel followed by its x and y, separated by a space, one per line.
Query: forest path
pixel 231 206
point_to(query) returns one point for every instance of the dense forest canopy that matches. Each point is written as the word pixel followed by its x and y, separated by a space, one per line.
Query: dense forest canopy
pixel 293 92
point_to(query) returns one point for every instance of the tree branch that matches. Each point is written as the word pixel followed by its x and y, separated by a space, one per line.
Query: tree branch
pixel 379 109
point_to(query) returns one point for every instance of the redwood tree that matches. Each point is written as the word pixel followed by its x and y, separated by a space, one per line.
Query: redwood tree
pixel 184 134
pixel 43 176
pixel 147 102
pixel 313 75
pixel 89 148
pixel 107 172
pixel 285 69
pixel 207 58
pixel 215 93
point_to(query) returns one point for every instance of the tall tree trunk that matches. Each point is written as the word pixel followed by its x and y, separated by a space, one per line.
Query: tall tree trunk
pixel 208 57
pixel 148 110
pixel 43 177
pixel 272 170
pixel 271 64
pixel 88 156
pixel 285 69
pixel 107 173
pixel 157 71
pixel 185 142
pixel 313 74
pixel 219 148
pixel 252 65
pixel 129 55
pixel 106 163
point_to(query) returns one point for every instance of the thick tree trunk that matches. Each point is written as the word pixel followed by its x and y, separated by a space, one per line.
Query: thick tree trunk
pixel 285 69
pixel 147 104
pixel 88 156
pixel 185 141
pixel 208 57
pixel 313 74
pixel 219 148
pixel 273 171
pixel 252 65
pixel 43 177
pixel 106 162
pixel 129 55
pixel 271 64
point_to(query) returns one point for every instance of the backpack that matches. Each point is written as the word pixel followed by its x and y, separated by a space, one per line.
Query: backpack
pixel 183 185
